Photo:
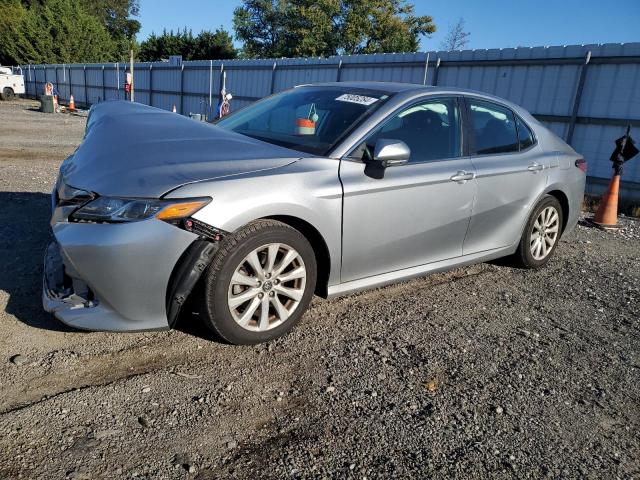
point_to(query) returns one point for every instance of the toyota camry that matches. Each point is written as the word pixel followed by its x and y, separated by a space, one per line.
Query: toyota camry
pixel 323 189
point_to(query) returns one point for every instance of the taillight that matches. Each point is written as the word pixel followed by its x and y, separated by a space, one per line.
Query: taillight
pixel 581 163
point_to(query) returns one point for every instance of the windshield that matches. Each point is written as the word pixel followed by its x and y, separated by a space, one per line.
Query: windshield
pixel 309 119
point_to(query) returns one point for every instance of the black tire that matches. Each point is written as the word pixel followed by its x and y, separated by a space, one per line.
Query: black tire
pixel 524 256
pixel 8 94
pixel 234 248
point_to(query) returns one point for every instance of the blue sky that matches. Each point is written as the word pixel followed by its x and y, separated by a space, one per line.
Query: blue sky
pixel 492 23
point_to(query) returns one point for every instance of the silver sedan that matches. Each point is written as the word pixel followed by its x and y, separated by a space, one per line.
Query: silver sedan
pixel 323 189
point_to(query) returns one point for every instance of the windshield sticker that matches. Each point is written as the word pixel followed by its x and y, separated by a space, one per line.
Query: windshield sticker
pixel 359 99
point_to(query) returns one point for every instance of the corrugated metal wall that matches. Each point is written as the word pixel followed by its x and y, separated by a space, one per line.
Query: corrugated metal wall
pixel 584 93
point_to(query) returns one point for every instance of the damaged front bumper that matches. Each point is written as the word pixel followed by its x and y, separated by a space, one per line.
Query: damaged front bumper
pixel 121 277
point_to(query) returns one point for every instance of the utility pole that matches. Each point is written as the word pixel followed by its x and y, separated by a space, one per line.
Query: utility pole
pixel 132 82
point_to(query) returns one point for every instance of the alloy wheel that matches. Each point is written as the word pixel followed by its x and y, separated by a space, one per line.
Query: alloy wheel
pixel 544 233
pixel 267 287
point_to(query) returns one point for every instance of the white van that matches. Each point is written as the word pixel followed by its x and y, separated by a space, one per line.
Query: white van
pixel 11 83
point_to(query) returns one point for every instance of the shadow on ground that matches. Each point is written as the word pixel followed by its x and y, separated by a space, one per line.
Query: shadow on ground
pixel 24 234
pixel 191 323
pixel 190 319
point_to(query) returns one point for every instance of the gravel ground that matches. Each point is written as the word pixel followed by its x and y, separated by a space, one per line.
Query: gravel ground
pixel 486 371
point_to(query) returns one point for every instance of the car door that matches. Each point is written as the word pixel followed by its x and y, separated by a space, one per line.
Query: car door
pixel 511 172
pixel 415 213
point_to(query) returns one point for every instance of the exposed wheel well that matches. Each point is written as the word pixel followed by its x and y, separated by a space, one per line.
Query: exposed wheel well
pixel 319 246
pixel 564 203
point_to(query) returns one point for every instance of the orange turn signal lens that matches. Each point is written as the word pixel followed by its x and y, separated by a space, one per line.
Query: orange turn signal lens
pixel 180 210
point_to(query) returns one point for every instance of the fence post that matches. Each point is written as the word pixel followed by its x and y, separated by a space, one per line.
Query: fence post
pixel 435 72
pixel 56 72
pixel 104 90
pixel 578 97
pixel 117 73
pixel 273 77
pixel 86 95
pixel 182 89
pixel 426 69
pixel 221 79
pixel 339 72
pixel 210 83
pixel 151 84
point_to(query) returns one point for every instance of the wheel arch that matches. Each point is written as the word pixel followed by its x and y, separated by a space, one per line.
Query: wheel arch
pixel 564 203
pixel 556 192
pixel 319 245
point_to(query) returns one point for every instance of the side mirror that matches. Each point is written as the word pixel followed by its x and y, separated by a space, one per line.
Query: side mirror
pixel 391 152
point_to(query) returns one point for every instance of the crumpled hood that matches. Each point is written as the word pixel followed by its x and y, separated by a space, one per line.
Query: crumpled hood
pixel 132 150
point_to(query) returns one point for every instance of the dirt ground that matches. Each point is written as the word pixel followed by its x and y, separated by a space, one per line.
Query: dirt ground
pixel 486 371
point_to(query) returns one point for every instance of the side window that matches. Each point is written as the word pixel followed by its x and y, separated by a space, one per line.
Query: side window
pixel 493 127
pixel 525 135
pixel 430 129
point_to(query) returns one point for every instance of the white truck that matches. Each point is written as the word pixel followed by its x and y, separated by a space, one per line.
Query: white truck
pixel 11 83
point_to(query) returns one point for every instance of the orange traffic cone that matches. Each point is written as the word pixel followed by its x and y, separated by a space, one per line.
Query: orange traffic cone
pixel 607 213
pixel 174 108
pixel 72 104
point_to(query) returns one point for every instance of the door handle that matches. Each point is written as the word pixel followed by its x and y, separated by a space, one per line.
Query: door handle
pixel 462 176
pixel 534 167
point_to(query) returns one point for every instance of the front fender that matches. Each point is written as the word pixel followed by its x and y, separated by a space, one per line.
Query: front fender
pixel 308 190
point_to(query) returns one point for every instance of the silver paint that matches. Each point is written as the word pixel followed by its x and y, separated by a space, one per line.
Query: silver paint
pixel 418 218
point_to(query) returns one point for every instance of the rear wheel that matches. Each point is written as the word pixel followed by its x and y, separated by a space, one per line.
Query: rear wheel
pixel 260 283
pixel 8 94
pixel 541 234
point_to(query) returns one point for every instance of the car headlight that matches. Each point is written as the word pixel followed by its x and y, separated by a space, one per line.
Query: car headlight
pixel 118 210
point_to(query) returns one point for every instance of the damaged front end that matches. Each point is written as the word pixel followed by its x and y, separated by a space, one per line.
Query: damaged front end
pixel 191 265
pixel 61 289
pixel 124 264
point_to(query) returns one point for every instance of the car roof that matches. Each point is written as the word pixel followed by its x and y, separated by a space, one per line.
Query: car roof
pixel 395 87
pixel 411 89
pixel 388 87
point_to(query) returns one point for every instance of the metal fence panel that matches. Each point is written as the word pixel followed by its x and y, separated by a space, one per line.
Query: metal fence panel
pixel 612 91
pixel 586 94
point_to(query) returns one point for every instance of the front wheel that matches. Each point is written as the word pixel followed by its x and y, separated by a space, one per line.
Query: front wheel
pixel 541 234
pixel 260 283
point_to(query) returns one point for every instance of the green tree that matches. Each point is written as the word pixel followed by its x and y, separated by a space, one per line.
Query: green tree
pixel 169 43
pixel 116 16
pixel 51 31
pixel 291 28
pixel 205 46
pixel 213 46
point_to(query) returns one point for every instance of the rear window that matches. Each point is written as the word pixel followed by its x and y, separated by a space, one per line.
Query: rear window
pixel 494 128
pixel 525 135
